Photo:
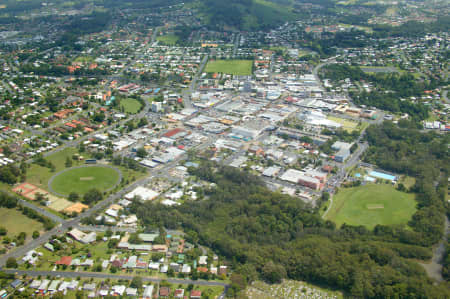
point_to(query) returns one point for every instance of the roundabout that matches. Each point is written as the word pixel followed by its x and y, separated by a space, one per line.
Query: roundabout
pixel 81 179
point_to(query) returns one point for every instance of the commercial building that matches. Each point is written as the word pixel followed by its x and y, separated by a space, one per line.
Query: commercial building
pixel 301 178
pixel 343 149
pixel 244 133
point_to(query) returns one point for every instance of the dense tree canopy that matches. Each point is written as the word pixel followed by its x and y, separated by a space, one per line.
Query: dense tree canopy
pixel 271 236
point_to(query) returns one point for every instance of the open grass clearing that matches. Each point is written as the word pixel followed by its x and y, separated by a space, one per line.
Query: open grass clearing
pixel 407 181
pixel 168 39
pixel 130 105
pixel 231 67
pixel 15 222
pixel 349 125
pixel 370 205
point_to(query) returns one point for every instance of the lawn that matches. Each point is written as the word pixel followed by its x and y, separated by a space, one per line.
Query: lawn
pixel 232 67
pixel 15 222
pixel 39 176
pixel 349 125
pixel 130 105
pixel 169 39
pixel 80 180
pixel 370 205
pixel 408 181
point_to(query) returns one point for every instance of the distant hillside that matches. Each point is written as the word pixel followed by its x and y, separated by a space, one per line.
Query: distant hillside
pixel 245 14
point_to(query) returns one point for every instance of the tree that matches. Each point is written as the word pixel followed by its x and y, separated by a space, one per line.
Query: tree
pixel 134 239
pixel 92 196
pixel 157 256
pixel 7 175
pixel 170 272
pixel 35 234
pixel 39 197
pixel 68 162
pixel 11 263
pixel 325 196
pixel 273 273
pixel 136 282
pixel 141 152
pixel 79 294
pixel 3 231
pixel 73 196
pixel 142 122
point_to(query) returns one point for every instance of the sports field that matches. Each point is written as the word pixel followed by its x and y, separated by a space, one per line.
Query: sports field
pixel 371 205
pixel 130 105
pixel 80 180
pixel 231 67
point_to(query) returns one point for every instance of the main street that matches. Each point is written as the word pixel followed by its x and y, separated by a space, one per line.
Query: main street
pixel 188 92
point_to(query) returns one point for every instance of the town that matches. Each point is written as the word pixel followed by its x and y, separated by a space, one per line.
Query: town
pixel 139 114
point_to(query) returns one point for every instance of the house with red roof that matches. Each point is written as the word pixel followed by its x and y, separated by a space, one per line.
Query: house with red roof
pixel 196 294
pixel 65 260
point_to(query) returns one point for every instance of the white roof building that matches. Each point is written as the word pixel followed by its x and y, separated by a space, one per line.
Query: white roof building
pixel 203 260
pixel 148 291
pixel 142 192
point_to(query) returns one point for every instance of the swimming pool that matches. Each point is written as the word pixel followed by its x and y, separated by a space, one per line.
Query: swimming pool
pixel 383 176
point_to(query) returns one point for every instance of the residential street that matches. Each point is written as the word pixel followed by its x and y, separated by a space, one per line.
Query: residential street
pixel 74 275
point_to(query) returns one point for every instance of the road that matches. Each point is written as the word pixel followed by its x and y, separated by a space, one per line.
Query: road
pixel 74 275
pixel 188 92
pixel 434 269
pixel 154 35
pixel 236 44
pixel 445 96
pixel 319 66
pixel 40 210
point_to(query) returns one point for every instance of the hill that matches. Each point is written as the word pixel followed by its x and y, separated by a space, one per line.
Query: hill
pixel 245 14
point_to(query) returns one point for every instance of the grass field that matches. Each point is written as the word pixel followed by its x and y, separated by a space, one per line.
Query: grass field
pixel 169 39
pixel 232 67
pixel 39 176
pixel 371 205
pixel 130 105
pixel 349 125
pixel 15 222
pixel 84 59
pixel 82 179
